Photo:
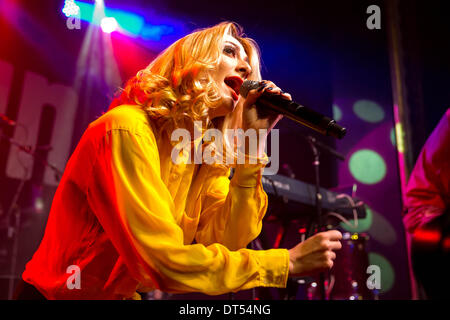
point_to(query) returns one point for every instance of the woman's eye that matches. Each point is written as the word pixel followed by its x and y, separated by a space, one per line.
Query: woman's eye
pixel 230 50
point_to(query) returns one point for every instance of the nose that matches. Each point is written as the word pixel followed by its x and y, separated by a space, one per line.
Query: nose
pixel 243 68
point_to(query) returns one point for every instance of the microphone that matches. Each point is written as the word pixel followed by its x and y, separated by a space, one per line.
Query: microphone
pixel 294 111
pixel 5 120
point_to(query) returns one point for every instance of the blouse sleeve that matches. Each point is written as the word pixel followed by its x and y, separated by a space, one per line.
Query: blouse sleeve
pixel 136 210
pixel 232 211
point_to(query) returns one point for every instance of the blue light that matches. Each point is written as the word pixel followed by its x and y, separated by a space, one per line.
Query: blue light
pixel 129 23
pixel 151 32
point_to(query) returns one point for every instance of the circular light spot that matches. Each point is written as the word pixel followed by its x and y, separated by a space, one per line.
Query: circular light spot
pixel 367 166
pixel 363 224
pixel 393 140
pixel 337 113
pixel 387 273
pixel 368 111
pixel 382 230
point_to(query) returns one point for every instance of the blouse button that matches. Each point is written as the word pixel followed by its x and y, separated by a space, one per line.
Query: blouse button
pixel 174 176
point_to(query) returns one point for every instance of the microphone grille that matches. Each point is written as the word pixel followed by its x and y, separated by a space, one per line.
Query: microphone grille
pixel 247 86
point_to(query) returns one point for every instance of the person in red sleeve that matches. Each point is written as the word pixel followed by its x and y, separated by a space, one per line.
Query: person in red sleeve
pixel 427 217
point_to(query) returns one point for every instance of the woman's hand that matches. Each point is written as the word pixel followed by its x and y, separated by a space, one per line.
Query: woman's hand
pixel 315 254
pixel 260 118
pixel 257 118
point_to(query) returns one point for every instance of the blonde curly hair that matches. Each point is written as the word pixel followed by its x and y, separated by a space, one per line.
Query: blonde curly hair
pixel 177 87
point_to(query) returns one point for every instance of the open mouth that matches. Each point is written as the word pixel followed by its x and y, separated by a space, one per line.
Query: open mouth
pixel 234 83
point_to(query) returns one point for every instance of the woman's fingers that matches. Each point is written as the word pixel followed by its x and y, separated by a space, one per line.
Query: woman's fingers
pixel 254 113
pixel 269 86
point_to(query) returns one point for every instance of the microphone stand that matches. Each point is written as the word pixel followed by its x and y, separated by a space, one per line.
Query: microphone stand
pixel 318 198
pixel 27 149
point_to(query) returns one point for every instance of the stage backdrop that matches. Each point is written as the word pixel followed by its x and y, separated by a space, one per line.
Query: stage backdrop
pixel 362 101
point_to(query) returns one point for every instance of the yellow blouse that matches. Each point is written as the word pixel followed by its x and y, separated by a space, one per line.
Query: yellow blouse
pixel 132 220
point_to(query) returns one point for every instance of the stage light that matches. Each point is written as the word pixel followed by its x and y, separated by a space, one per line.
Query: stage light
pixel 367 166
pixel 337 113
pixel 108 24
pixel 70 8
pixel 129 22
pixel 368 111
pixel 387 270
pixel 392 136
pixel 155 32
pixel 134 25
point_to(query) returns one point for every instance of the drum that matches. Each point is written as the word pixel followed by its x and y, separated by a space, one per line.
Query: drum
pixel 348 276
pixel 347 279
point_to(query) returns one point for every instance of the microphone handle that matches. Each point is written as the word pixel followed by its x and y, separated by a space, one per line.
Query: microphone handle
pixel 302 115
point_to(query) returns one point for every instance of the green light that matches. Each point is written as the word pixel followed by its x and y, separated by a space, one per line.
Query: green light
pixel 367 166
pixel 86 10
pixel 337 113
pixel 386 270
pixel 368 111
pixel 131 22
pixel 393 140
pixel 128 21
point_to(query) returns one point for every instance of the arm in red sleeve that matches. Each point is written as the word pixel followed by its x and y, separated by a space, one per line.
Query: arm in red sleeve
pixel 428 193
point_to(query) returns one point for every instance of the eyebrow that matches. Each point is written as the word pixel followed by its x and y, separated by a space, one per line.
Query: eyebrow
pixel 234 45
